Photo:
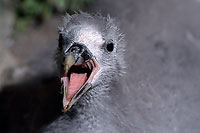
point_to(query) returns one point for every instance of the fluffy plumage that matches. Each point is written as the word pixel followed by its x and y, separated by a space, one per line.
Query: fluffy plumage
pixel 94 112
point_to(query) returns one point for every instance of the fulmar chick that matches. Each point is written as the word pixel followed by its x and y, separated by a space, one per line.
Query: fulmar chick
pixel 90 57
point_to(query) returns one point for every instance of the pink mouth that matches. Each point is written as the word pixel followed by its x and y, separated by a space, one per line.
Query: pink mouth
pixel 76 79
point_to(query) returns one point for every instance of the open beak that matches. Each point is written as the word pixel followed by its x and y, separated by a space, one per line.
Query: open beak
pixel 78 71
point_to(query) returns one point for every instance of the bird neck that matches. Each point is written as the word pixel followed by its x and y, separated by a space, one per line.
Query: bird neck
pixel 95 100
pixel 93 107
pixel 94 112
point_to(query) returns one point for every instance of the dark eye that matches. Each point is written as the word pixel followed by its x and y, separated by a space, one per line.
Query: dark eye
pixel 110 47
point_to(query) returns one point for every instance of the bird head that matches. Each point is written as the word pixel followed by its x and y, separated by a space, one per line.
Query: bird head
pixel 89 55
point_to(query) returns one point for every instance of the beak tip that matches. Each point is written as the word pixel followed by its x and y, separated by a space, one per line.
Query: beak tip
pixel 65 108
pixel 66 104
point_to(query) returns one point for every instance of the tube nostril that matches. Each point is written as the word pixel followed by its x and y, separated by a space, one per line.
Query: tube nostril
pixel 75 49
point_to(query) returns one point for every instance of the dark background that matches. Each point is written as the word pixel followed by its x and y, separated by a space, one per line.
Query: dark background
pixel 162 83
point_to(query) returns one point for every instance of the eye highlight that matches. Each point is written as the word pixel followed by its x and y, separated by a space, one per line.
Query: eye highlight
pixel 110 47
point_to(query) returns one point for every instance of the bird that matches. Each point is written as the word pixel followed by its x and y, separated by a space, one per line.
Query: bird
pixel 90 58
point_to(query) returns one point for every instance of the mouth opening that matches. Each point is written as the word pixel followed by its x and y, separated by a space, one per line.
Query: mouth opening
pixel 77 77
pixel 80 69
pixel 75 80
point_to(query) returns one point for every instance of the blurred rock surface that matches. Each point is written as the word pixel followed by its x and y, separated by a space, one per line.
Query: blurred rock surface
pixel 6 58
pixel 25 55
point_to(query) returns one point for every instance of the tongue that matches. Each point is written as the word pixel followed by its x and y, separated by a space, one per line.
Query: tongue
pixel 75 83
